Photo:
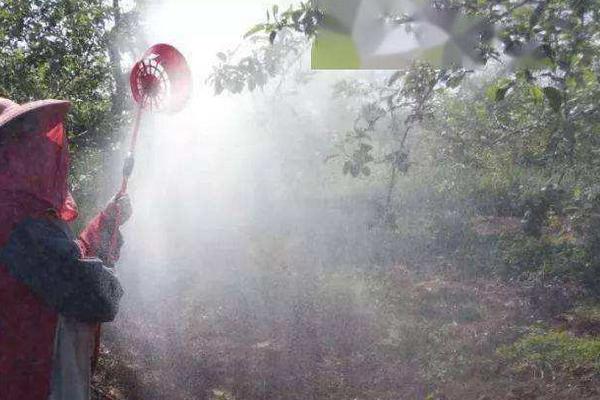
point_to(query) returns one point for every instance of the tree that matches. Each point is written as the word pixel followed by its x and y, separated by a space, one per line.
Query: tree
pixel 71 49
pixel 549 47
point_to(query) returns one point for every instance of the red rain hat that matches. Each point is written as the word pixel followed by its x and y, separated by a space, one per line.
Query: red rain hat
pixel 9 110
pixel 34 172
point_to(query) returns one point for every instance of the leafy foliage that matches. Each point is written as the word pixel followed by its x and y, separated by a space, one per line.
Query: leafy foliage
pixel 551 42
pixel 57 49
pixel 274 43
pixel 266 59
pixel 304 18
pixel 72 50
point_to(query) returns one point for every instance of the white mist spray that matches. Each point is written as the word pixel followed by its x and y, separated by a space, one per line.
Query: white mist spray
pixel 227 240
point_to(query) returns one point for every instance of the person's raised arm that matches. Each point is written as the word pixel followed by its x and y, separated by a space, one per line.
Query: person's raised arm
pixel 101 237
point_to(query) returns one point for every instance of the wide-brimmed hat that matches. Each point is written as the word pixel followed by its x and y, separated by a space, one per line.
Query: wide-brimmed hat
pixel 9 110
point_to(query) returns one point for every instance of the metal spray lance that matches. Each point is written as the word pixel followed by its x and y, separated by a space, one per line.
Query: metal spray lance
pixel 160 81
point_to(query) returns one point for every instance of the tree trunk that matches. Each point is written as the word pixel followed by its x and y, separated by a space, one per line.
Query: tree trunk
pixel 119 94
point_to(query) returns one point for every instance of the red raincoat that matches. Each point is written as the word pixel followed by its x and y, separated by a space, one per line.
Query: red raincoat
pixel 33 178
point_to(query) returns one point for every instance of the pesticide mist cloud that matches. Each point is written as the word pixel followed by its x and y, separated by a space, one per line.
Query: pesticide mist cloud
pixel 227 200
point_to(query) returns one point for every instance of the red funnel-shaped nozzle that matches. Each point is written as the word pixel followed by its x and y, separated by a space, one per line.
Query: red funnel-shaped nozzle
pixel 161 80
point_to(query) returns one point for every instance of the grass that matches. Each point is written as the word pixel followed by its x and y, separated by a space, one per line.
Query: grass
pixel 553 351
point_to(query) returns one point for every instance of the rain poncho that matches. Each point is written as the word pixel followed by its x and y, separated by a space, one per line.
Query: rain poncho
pixel 52 288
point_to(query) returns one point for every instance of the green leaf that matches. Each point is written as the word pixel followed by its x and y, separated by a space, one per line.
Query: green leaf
pixel 554 97
pixel 255 29
pixel 222 56
pixel 498 91
pixel 537 94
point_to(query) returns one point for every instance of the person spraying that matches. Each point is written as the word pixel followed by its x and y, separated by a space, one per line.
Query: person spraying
pixel 55 288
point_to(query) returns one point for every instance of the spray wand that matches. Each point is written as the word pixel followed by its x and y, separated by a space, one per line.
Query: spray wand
pixel 160 82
